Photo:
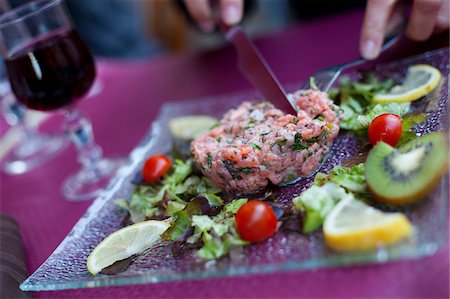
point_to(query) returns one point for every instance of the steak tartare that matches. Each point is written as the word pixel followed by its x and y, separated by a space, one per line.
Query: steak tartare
pixel 255 143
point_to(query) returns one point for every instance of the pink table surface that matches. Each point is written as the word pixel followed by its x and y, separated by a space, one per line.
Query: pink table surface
pixel 132 96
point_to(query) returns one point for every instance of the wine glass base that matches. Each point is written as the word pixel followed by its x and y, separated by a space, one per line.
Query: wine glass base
pixel 31 153
pixel 88 183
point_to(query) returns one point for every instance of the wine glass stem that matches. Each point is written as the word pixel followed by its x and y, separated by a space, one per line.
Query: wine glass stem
pixel 14 115
pixel 79 130
pixel 27 131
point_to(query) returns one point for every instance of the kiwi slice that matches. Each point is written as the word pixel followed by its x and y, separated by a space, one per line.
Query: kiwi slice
pixel 406 174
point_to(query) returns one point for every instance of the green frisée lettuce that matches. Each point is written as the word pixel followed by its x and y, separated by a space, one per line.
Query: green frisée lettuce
pixel 144 203
pixel 168 197
pixel 316 203
pixel 408 132
pixel 180 227
pixel 356 101
pixel 357 117
pixel 197 223
pixel 352 179
pixel 218 233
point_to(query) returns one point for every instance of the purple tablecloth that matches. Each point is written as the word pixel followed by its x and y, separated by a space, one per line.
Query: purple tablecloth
pixel 122 113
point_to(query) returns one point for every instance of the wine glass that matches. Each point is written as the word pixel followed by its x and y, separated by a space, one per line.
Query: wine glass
pixel 32 148
pixel 50 68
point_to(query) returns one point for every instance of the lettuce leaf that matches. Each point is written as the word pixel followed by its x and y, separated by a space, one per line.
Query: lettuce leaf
pixel 181 225
pixel 356 101
pixel 181 171
pixel 408 132
pixel 171 196
pixel 217 233
pixel 357 117
pixel 352 179
pixel 316 203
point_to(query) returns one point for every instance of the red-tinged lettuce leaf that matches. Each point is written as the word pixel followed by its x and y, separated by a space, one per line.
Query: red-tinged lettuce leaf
pixel 118 266
pixel 181 227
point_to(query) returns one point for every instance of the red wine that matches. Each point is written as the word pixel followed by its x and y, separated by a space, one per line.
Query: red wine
pixel 52 72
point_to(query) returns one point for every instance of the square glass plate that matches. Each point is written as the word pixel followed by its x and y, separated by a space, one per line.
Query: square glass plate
pixel 66 267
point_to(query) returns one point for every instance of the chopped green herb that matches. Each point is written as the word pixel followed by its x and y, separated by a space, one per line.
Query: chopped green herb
pixel 313 140
pixel 312 83
pixel 209 159
pixel 281 142
pixel 264 134
pixel 214 126
pixel 298 143
pixel 231 170
pixel 245 170
pixel 320 117
pixel 291 177
pixel 255 146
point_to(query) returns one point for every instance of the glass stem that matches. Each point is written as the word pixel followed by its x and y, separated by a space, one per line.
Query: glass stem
pixel 14 114
pixel 79 130
pixel 27 131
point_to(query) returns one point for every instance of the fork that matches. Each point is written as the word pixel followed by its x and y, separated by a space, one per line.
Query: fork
pixel 324 79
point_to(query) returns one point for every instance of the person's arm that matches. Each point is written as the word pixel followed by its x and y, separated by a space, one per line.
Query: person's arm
pixel 427 16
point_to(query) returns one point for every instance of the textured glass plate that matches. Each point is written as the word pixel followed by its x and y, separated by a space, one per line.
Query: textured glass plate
pixel 66 267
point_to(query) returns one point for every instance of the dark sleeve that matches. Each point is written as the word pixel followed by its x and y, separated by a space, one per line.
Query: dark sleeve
pixel 309 9
pixel 111 28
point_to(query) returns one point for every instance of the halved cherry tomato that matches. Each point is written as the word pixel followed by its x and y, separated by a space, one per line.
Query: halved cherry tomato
pixel 155 167
pixel 256 221
pixel 385 127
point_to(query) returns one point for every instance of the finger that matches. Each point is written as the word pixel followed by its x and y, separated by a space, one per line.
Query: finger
pixel 423 19
pixel 396 20
pixel 442 22
pixel 200 11
pixel 231 11
pixel 374 25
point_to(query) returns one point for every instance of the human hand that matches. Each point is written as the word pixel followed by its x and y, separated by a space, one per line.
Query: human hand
pixel 427 17
pixel 201 11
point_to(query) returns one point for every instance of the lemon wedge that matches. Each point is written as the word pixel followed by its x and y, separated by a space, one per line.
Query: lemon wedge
pixel 420 80
pixel 192 126
pixel 124 243
pixel 354 226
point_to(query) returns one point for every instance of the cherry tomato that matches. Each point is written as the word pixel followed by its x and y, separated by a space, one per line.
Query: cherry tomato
pixel 256 221
pixel 385 127
pixel 155 167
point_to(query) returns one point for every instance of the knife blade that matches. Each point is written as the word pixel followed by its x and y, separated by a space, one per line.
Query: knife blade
pixel 253 65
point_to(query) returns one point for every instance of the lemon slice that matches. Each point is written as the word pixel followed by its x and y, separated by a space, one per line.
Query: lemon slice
pixel 420 80
pixel 190 127
pixel 124 243
pixel 354 226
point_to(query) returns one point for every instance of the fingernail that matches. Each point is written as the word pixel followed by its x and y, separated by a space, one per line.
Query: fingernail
pixel 369 50
pixel 206 26
pixel 232 14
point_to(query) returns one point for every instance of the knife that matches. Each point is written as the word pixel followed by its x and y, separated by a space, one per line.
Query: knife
pixel 252 64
